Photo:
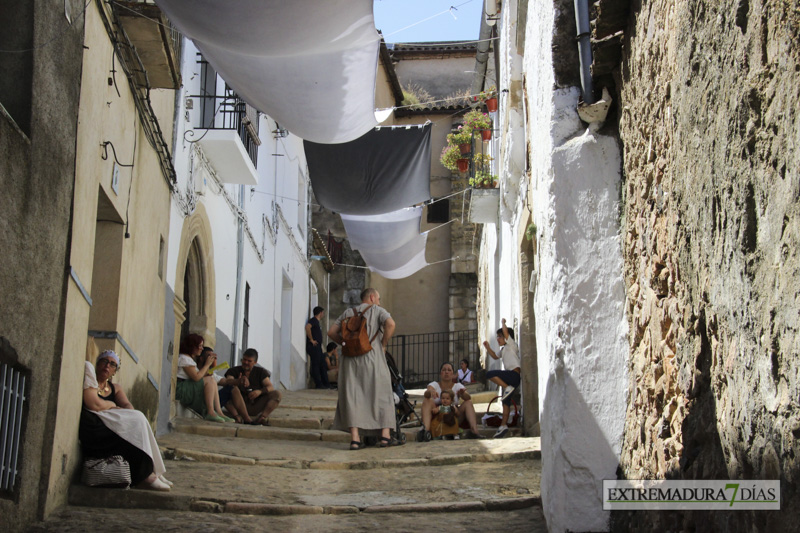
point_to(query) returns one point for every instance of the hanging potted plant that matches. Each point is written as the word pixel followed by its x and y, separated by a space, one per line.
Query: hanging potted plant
pixel 489 97
pixel 450 156
pixel 478 121
pixel 461 138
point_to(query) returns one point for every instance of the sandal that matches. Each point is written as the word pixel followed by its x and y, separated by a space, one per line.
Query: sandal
pixel 389 441
pixel 356 445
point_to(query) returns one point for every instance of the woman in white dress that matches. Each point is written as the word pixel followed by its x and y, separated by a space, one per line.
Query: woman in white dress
pixel 110 425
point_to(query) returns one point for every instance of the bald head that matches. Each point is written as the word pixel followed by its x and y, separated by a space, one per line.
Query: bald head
pixel 370 296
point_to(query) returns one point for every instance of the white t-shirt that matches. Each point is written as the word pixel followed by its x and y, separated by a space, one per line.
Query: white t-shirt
pixel 465 376
pixel 438 401
pixel 510 354
pixel 185 360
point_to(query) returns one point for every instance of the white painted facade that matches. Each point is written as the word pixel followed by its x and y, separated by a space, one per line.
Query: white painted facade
pixel 271 260
pixel 569 188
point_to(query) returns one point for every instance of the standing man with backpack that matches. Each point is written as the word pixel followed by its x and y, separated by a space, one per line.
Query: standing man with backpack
pixel 366 401
pixel 314 349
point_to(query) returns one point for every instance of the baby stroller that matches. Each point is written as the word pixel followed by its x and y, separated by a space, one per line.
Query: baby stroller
pixel 403 408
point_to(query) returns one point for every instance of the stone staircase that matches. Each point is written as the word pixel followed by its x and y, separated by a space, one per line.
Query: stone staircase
pixel 300 471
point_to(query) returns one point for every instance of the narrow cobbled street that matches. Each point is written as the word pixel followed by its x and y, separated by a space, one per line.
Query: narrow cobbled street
pixel 298 475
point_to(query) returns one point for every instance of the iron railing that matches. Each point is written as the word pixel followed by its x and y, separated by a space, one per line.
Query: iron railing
pixel 229 112
pixel 226 111
pixel 419 356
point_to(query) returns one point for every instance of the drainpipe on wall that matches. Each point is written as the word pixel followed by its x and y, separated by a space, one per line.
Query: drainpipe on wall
pixel 239 262
pixel 481 57
pixel 584 49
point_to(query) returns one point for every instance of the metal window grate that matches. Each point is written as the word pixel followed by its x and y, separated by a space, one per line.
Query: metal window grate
pixel 12 400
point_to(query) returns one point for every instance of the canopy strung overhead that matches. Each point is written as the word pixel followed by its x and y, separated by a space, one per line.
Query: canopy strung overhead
pixel 385 170
pixel 390 244
pixel 309 65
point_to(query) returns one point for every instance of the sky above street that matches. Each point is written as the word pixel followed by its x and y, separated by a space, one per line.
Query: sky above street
pixel 403 21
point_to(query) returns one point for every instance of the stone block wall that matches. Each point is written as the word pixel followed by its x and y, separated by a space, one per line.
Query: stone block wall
pixel 709 120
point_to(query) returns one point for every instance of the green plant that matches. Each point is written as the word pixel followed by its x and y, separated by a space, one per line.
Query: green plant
pixel 491 92
pixel 461 136
pixel 450 155
pixel 483 180
pixel 415 96
pixel 476 121
pixel 482 162
pixel 530 231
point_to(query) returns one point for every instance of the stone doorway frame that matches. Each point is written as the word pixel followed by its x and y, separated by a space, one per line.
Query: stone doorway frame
pixel 195 254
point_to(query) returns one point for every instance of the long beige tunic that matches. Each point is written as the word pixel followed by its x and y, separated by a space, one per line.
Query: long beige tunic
pixel 366 400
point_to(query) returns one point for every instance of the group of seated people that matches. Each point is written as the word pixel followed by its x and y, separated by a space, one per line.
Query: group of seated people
pixel 111 426
pixel 248 393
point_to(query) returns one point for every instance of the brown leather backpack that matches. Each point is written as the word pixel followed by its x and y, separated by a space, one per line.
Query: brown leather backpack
pixel 355 339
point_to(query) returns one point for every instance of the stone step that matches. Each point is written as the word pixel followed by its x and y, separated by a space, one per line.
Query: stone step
pixel 73 519
pixel 287 428
pixel 245 489
pixel 329 449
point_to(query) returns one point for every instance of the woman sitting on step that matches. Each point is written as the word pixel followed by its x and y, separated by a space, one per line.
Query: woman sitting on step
pixel 466 411
pixel 110 426
pixel 196 389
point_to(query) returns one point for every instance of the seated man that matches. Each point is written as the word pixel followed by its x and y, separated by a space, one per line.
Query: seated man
pixel 332 363
pixel 253 390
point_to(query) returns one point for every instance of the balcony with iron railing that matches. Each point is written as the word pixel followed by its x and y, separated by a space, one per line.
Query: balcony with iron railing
pixel 227 130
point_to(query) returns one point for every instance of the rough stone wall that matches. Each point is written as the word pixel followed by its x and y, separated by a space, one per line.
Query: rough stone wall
pixel 711 131
pixel 37 177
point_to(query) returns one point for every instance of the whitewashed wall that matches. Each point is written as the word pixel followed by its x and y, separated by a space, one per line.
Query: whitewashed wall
pixel 274 254
pixel 581 330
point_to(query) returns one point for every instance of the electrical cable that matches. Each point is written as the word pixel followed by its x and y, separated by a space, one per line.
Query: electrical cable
pixel 450 10
pixel 130 182
pixel 104 157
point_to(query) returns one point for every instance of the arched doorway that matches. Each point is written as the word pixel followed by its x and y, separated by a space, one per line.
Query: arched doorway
pixel 193 299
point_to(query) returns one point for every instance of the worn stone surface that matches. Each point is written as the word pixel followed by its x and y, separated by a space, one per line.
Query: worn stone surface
pixel 710 123
pixel 222 482
pixel 80 519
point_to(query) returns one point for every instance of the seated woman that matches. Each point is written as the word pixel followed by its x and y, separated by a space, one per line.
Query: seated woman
pixel 465 375
pixel 332 362
pixel 462 400
pixel 110 425
pixel 196 389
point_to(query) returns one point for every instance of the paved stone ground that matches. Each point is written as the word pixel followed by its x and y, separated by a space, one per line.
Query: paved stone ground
pixel 303 476
pixel 81 519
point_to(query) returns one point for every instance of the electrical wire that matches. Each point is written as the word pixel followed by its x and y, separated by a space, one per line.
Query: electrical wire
pixel 450 10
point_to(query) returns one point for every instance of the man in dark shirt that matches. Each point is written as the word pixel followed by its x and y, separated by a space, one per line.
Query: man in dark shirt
pixel 319 372
pixel 254 387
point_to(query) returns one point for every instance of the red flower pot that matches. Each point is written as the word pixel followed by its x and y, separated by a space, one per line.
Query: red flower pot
pixel 465 148
pixel 486 135
pixel 491 104
pixel 463 165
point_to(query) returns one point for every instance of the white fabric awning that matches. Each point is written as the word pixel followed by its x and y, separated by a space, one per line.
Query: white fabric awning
pixel 390 244
pixel 309 65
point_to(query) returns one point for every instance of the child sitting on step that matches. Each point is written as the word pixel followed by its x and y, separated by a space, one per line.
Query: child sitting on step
pixel 444 423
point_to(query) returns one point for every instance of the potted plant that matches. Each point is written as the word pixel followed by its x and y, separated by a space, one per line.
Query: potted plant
pixel 489 97
pixel 483 180
pixel 450 156
pixel 479 121
pixel 461 138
